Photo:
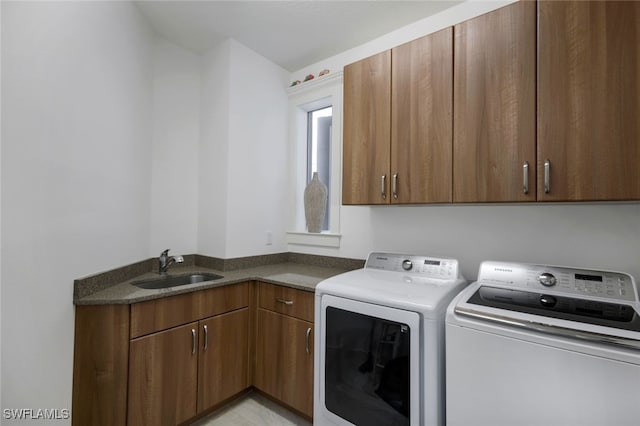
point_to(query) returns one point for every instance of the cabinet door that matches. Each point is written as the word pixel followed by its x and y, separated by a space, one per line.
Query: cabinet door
pixel 223 359
pixel 366 130
pixel 422 119
pixel 284 360
pixel 494 106
pixel 163 371
pixel 589 100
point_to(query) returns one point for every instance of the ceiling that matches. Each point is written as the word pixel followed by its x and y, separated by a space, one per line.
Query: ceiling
pixel 292 34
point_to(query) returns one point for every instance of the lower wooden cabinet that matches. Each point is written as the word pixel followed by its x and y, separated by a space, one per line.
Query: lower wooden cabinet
pixel 284 346
pixel 100 365
pixel 163 376
pixel 284 360
pixel 223 358
pixel 169 360
pixel 179 373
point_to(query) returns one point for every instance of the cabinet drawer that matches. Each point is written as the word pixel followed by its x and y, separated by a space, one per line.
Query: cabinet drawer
pixel 286 300
pixel 160 314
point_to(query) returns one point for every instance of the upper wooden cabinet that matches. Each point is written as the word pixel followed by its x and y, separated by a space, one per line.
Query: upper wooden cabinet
pixel 589 100
pixel 494 139
pixel 422 119
pixel 555 120
pixel 398 124
pixel 366 130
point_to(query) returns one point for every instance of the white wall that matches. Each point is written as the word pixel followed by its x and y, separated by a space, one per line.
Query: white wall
pixel 98 125
pixel 446 18
pixel 176 138
pixel 1 218
pixel 243 153
pixel 258 158
pixel 213 152
pixel 76 169
pixel 603 235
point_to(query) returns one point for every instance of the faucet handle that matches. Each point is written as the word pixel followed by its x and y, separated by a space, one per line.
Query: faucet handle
pixel 165 253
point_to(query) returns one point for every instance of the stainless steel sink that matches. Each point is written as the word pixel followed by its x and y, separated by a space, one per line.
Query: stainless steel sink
pixel 174 281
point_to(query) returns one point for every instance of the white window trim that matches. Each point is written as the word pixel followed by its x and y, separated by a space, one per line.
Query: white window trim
pixel 303 98
pixel 323 239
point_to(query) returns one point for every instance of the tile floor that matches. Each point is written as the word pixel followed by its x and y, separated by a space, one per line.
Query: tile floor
pixel 252 410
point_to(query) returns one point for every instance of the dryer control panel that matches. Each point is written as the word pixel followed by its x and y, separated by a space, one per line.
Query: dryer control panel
pixel 556 279
pixel 412 264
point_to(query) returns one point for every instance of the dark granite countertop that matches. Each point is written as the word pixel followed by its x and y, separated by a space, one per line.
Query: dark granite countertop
pixel 297 274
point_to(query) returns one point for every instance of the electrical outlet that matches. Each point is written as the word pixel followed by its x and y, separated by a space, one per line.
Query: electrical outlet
pixel 269 238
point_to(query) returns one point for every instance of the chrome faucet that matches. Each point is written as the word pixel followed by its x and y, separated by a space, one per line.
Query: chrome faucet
pixel 164 261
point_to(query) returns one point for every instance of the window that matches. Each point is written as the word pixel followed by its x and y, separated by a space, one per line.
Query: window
pixel 315 146
pixel 319 151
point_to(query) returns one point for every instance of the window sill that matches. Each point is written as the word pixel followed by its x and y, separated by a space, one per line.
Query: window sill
pixel 323 239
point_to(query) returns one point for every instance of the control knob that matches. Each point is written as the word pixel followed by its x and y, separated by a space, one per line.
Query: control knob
pixel 407 265
pixel 547 279
pixel 548 301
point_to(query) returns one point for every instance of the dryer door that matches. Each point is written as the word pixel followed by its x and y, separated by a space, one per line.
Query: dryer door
pixel 369 364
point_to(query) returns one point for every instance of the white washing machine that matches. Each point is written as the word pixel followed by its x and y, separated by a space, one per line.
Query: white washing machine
pixel 379 352
pixel 544 345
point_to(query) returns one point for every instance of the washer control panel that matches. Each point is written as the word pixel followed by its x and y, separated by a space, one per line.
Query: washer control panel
pixel 412 264
pixel 610 285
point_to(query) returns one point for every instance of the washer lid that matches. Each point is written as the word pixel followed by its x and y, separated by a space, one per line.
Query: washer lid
pixel 586 304
pixel 587 311
pixel 490 309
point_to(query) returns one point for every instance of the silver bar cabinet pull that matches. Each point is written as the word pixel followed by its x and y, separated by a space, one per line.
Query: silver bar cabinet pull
pixel 206 337
pixel 383 187
pixel 525 177
pixel 395 185
pixel 308 349
pixel 193 341
pixel 547 176
pixel 286 302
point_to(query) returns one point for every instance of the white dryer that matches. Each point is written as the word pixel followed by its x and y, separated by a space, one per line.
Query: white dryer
pixel 379 352
pixel 533 345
